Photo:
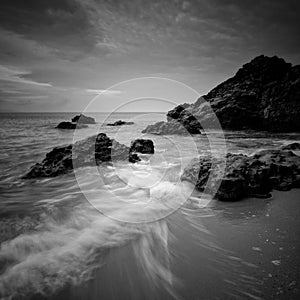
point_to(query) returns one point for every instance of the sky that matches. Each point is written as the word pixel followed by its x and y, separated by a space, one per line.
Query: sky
pixel 58 55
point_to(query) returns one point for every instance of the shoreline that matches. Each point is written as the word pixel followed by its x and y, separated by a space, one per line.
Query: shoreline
pixel 249 250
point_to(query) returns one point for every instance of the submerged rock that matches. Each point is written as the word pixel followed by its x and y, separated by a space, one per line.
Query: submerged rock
pixel 88 152
pixel 142 146
pixel 82 119
pixel 70 125
pixel 246 176
pixel 120 123
pixel 263 95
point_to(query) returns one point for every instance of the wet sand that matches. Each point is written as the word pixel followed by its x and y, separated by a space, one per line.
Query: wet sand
pixel 242 250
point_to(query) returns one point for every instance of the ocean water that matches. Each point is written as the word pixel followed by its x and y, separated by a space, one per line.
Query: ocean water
pixel 78 237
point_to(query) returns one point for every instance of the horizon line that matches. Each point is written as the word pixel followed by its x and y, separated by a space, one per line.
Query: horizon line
pixel 75 112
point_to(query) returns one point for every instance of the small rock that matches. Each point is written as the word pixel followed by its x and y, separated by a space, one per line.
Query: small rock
pixel 256 249
pixel 143 146
pixel 120 123
pixel 276 262
pixel 70 125
pixel 82 119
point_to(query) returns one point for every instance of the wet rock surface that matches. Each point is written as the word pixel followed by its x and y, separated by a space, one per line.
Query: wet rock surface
pixel 88 152
pixel 246 176
pixel 82 119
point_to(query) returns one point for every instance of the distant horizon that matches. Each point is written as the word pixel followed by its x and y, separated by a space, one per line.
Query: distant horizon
pixel 77 112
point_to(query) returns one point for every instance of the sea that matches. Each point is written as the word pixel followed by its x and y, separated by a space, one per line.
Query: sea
pixel 137 231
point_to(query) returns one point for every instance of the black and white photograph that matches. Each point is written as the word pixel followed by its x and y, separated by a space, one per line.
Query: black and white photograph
pixel 149 150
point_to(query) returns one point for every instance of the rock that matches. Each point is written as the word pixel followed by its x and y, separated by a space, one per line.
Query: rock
pixel 82 119
pixel 133 158
pixel 170 128
pixel 246 176
pixel 181 114
pixel 142 146
pixel 91 151
pixel 69 125
pixel 263 95
pixel 293 147
pixel 120 123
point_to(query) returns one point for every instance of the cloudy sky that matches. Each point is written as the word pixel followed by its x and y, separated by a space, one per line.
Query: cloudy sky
pixel 56 55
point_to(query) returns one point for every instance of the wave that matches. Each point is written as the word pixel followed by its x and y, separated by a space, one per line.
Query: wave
pixel 71 242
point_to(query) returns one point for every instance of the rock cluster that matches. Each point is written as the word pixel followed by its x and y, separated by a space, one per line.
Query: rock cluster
pixel 246 176
pixel 91 151
pixel 263 95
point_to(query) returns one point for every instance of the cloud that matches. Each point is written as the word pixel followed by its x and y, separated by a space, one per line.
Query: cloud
pixel 57 48
pixel 16 76
pixel 104 92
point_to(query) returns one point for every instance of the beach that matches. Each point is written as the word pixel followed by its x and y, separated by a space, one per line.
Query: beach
pixel 56 245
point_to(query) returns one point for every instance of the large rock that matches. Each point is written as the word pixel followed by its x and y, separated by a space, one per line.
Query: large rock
pixel 88 152
pixel 82 119
pixel 173 127
pixel 143 146
pixel 246 176
pixel 120 123
pixel 69 125
pixel 263 95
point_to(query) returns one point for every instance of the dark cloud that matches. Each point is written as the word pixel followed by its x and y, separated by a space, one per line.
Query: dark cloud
pixel 78 26
pixel 61 24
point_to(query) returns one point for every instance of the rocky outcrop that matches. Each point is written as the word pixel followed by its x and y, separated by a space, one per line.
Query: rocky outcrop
pixel 263 95
pixel 82 119
pixel 143 146
pixel 171 128
pixel 88 152
pixel 246 176
pixel 120 123
pixel 70 125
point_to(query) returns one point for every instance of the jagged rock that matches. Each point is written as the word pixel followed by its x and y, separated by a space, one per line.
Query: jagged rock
pixel 120 123
pixel 263 95
pixel 69 125
pixel 246 176
pixel 82 119
pixel 91 151
pixel 142 146
pixel 172 127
